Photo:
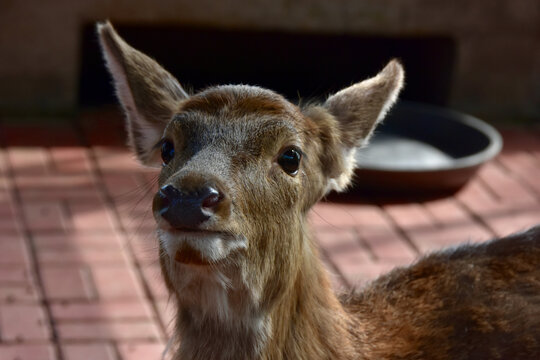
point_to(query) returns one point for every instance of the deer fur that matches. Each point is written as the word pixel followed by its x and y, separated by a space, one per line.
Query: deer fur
pixel 262 291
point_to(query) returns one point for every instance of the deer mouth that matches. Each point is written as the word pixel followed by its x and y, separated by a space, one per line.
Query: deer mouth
pixel 189 256
pixel 200 248
pixel 187 246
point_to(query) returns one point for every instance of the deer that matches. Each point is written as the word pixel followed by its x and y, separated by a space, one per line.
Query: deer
pixel 241 167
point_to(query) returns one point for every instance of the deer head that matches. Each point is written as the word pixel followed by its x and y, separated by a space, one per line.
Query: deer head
pixel 240 168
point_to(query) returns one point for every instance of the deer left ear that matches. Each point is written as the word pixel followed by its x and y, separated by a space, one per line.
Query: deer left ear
pixel 354 113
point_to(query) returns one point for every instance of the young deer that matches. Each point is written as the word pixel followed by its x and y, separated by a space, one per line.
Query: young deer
pixel 241 167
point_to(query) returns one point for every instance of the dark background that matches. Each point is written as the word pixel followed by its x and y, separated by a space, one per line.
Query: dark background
pixel 297 65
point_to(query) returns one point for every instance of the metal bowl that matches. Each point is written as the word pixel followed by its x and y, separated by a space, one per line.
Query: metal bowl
pixel 423 149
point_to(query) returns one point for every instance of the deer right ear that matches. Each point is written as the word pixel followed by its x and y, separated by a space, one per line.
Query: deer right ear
pixel 148 93
pixel 347 119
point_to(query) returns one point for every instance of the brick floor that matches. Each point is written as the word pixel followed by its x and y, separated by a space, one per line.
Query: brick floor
pixel 79 277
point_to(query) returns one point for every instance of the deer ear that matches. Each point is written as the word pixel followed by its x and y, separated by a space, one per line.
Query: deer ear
pixel 360 107
pixel 148 93
pixel 354 113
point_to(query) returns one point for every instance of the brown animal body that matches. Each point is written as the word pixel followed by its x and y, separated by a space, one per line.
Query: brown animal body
pixel 241 167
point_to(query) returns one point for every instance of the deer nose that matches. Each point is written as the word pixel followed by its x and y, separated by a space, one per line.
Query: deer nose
pixel 186 210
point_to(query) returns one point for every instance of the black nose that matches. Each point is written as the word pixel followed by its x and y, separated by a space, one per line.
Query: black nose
pixel 186 210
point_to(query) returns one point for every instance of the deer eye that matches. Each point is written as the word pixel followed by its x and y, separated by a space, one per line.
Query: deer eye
pixel 289 160
pixel 167 151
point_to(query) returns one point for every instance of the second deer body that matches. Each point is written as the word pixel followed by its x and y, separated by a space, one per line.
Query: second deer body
pixel 241 167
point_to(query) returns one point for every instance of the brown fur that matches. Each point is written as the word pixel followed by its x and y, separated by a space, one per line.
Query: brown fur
pixel 248 284
pixel 235 104
pixel 473 302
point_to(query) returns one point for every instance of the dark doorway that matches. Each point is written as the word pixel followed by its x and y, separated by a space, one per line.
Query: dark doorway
pixel 309 65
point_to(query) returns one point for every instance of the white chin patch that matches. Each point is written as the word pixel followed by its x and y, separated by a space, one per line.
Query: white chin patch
pixel 204 289
pixel 212 247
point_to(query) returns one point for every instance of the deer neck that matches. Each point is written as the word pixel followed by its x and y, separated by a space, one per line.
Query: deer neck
pixel 305 321
pixel 220 320
pixel 309 321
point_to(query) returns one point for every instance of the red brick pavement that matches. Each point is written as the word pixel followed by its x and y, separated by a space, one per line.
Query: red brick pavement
pixel 78 272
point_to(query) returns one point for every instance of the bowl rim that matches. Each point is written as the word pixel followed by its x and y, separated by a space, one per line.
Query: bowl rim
pixel 494 147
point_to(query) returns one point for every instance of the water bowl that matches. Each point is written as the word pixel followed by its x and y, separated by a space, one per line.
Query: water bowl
pixel 424 149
